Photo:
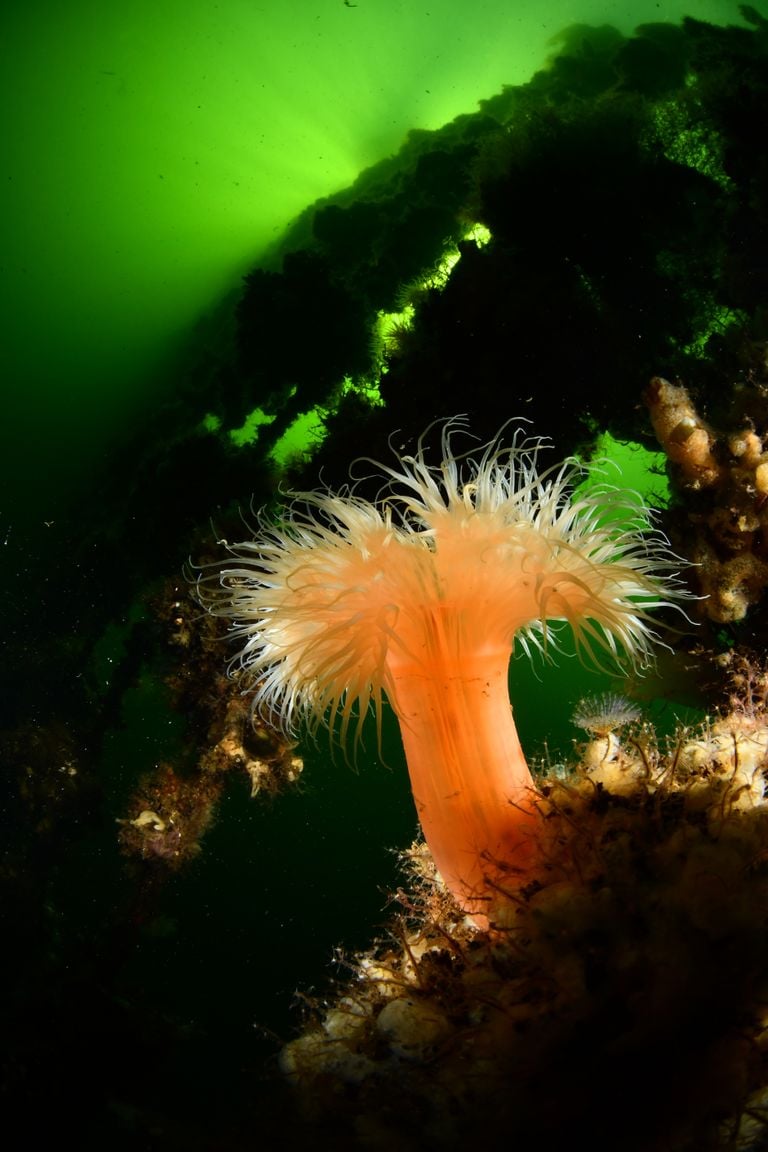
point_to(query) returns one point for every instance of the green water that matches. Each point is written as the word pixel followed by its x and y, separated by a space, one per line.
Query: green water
pixel 152 154
pixel 153 150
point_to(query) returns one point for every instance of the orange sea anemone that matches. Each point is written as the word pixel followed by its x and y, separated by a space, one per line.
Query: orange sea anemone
pixel 419 597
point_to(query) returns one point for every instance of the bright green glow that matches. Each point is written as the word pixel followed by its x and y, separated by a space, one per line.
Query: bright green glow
pixel 629 466
pixel 306 432
pixel 440 275
pixel 389 324
pixel 155 150
pixel 386 330
pixel 366 388
pixel 480 234
pixel 688 143
pixel 248 432
pixel 720 319
pixel 211 422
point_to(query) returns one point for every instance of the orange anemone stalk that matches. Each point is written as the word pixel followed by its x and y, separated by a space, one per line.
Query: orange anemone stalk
pixel 419 598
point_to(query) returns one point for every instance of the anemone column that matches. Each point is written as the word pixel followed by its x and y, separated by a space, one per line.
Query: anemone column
pixel 471 784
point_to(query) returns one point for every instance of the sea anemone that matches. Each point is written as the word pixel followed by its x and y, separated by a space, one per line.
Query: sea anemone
pixel 419 597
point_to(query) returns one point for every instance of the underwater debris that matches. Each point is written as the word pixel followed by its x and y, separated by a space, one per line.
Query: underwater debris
pixel 54 774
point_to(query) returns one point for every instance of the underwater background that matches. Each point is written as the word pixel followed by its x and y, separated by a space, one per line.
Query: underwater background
pixel 156 152
pixel 331 153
